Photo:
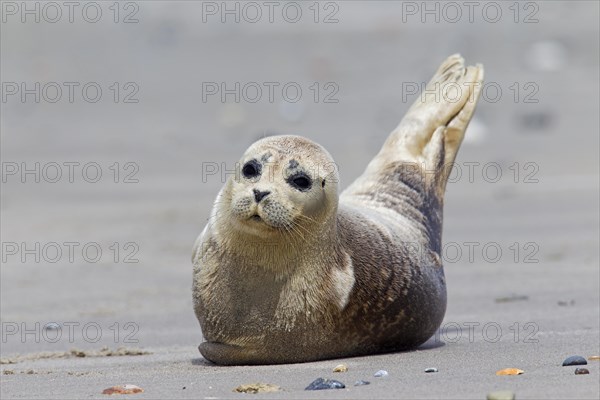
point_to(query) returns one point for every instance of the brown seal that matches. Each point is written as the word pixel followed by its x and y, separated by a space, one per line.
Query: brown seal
pixel 288 271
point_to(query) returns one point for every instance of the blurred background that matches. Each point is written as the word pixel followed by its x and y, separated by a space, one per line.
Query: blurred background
pixel 162 98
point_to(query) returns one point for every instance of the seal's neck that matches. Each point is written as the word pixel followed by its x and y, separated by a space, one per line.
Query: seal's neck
pixel 283 251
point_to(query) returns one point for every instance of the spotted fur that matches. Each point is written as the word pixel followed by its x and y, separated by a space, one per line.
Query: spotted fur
pixel 306 273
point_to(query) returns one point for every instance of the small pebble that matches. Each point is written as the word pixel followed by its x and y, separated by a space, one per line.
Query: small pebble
pixel 341 368
pixel 380 374
pixel 574 360
pixel 513 297
pixel 361 383
pixel 594 358
pixel 256 388
pixel 581 371
pixel 501 395
pixel 52 326
pixel 536 121
pixel 322 384
pixel 123 389
pixel 566 303
pixel 510 371
pixel 431 370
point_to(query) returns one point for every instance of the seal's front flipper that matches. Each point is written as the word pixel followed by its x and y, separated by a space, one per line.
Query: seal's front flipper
pixel 226 354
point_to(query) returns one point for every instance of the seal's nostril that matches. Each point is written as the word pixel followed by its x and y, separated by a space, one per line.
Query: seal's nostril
pixel 258 195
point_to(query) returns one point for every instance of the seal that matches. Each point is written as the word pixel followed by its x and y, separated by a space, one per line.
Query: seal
pixel 289 270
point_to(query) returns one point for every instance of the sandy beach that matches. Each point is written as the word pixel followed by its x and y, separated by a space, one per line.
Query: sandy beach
pixel 118 129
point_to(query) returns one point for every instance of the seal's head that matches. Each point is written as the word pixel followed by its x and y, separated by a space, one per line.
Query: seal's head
pixel 281 183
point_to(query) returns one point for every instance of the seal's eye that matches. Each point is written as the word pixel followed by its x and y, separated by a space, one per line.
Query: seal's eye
pixel 251 169
pixel 300 181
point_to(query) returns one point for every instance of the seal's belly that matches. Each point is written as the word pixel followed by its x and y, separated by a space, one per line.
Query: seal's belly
pixel 388 315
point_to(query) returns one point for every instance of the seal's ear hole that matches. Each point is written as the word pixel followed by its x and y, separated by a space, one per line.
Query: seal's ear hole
pixel 323 183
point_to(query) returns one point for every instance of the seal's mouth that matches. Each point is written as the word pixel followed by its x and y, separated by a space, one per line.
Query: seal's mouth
pixel 257 221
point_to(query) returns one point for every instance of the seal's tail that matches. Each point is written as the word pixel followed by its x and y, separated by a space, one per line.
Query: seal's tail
pixel 444 120
pixel 432 130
